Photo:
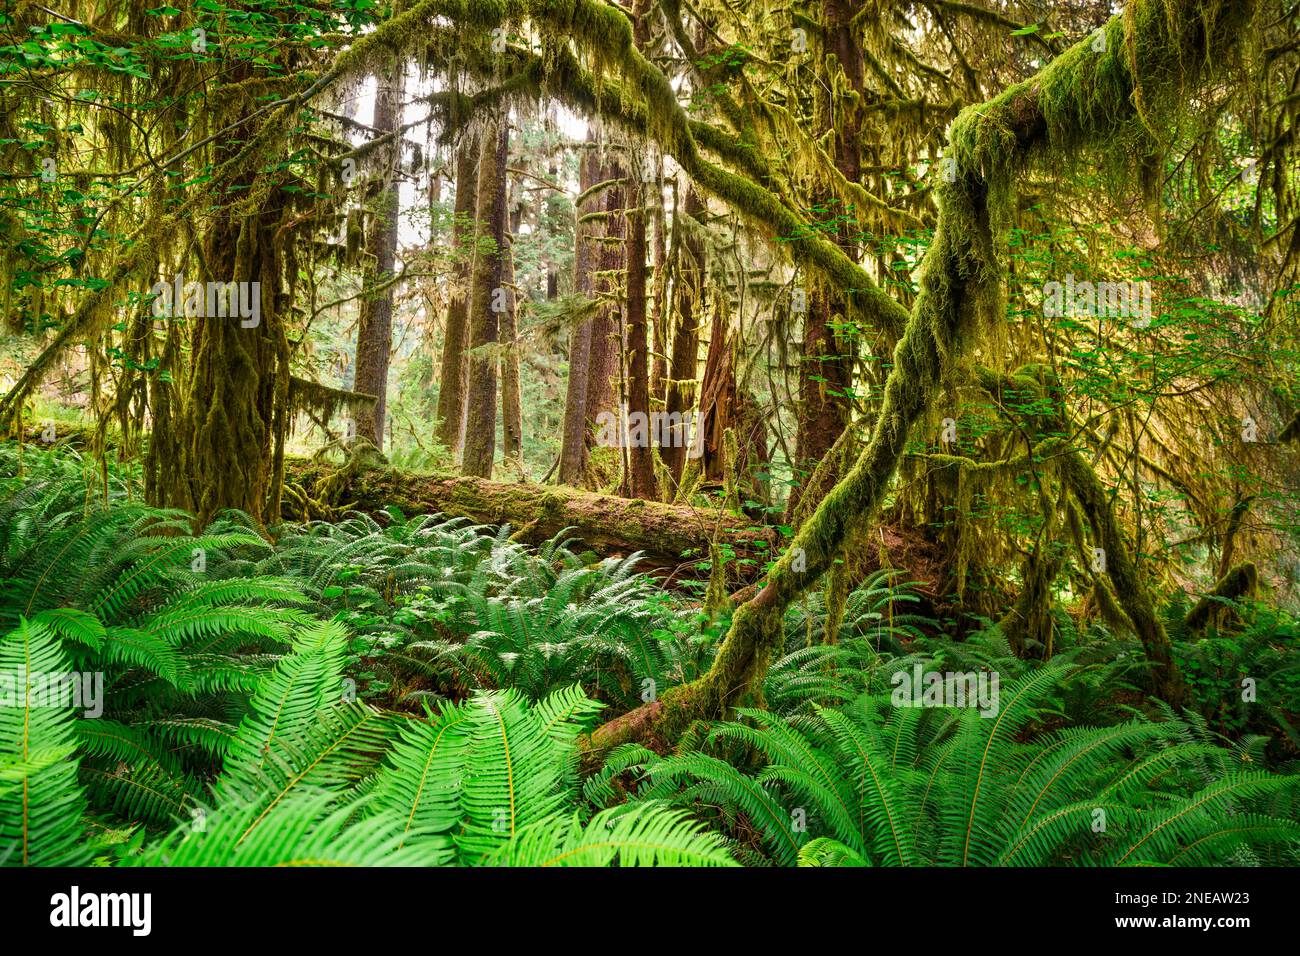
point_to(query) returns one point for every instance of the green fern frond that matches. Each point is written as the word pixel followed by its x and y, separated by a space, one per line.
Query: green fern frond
pixel 41 808
pixel 825 851
pixel 647 834
pixel 309 829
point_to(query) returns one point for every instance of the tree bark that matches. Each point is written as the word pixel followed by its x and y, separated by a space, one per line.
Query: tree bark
pixel 717 398
pixel 605 345
pixel 684 372
pixel 451 389
pixel 512 413
pixel 660 315
pixel 225 449
pixel 488 294
pixel 825 386
pixel 828 356
pixel 640 481
pixel 573 449
pixel 375 325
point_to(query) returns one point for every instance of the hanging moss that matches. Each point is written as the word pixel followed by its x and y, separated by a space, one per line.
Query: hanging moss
pixel 1216 608
pixel 322 400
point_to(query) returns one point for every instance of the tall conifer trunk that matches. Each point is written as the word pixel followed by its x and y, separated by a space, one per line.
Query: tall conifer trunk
pixel 512 412
pixel 451 388
pixel 573 449
pixel 828 356
pixel 375 326
pixel 689 306
pixel 641 476
pixel 486 302
pixel 606 327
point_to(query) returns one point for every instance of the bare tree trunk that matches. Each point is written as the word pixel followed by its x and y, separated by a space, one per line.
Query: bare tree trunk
pixel 550 220
pixel 640 477
pixel 825 381
pixel 451 389
pixel 487 297
pixel 375 325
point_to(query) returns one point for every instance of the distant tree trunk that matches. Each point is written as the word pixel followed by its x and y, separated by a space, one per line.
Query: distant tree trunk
pixel 828 358
pixel 375 326
pixel 451 390
pixel 684 371
pixel 660 314
pixel 550 221
pixel 489 271
pixel 717 397
pixel 573 449
pixel 512 413
pixel 825 381
pixel 435 200
pixel 640 480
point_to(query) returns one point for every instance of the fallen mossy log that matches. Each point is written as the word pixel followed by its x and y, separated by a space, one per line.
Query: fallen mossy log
pixel 63 434
pixel 673 538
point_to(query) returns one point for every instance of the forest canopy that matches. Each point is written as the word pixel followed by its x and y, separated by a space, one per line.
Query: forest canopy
pixel 656 432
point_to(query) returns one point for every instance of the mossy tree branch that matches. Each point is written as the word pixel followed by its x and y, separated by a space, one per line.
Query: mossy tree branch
pixel 1078 101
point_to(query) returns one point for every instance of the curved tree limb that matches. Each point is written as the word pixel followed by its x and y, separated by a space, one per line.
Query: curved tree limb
pixel 1077 101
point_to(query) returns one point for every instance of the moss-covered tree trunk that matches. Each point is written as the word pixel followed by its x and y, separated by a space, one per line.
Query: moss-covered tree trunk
pixel 486 301
pixel 375 324
pixel 231 419
pixel 689 305
pixel 228 413
pixel 640 481
pixel 606 339
pixel 605 523
pixel 717 398
pixel 451 387
pixel 1122 570
pixel 1033 396
pixel 512 411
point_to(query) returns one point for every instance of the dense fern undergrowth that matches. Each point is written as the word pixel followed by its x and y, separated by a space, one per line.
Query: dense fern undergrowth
pixel 416 692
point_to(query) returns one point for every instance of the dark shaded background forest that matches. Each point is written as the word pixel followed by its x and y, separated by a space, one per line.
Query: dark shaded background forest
pixel 620 402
